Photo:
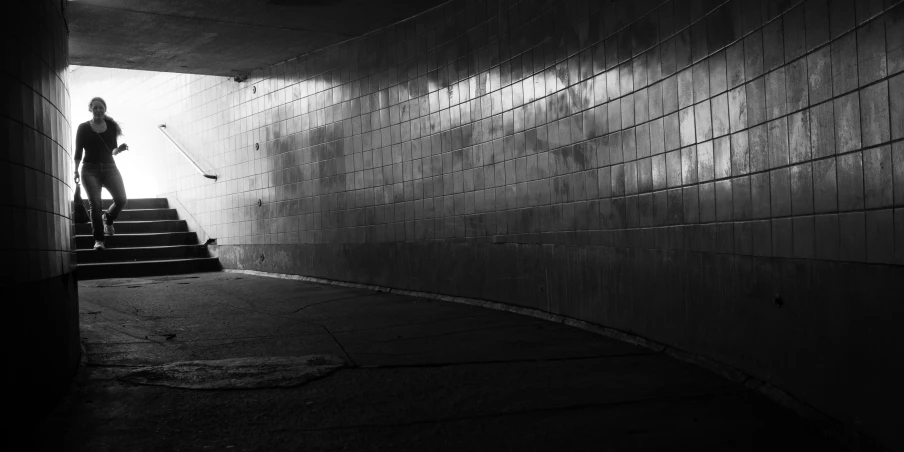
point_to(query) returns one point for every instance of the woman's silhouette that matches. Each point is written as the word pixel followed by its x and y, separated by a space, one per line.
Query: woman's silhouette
pixel 97 138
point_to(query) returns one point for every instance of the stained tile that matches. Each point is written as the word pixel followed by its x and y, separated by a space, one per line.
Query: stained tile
pixel 761 232
pixel 753 55
pixel 724 200
pixel 778 143
pixel 897 157
pixel 847 123
pixel 782 237
pixel 852 231
pixel 690 204
pixel 844 64
pixel 867 9
pixel 877 177
pixel 802 189
pixel 718 76
pixel 804 232
pixel 641 106
pixel 874 101
pixel 822 130
pixel 841 17
pixel 896 104
pixel 688 132
pixel 734 57
pixel 828 240
pixel 760 196
pixel 780 191
pixel 705 162
pixel 797 87
pixel 707 200
pixel 701 80
pixel 819 75
pixel 794 26
pixel 758 142
pixel 675 206
pixel 703 121
pixel 720 115
pixel 685 88
pixel 657 136
pixel 825 186
pixel 850 181
pixel 743 235
pixel 880 236
pixel 658 171
pixel 816 14
pixel 673 168
pixel 894 39
pixel 871 59
pixel 689 165
pixel 899 236
pixel 642 134
pixel 670 95
pixel 737 108
pixel 654 96
pixel 773 45
pixel 722 157
pixel 756 102
pixel 740 154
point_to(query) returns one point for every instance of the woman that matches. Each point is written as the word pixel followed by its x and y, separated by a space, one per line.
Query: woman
pixel 97 138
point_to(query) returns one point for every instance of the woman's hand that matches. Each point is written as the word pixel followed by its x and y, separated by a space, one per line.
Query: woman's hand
pixel 122 148
pixel 75 173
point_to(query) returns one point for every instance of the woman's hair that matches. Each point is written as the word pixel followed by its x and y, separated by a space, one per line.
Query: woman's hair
pixel 110 120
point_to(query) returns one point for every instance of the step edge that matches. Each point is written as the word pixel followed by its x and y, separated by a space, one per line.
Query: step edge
pixel 161 247
pixel 195 259
pixel 140 221
pixel 138 234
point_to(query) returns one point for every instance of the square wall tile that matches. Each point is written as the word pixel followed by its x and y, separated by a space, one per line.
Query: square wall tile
pixel 852 230
pixel 880 236
pixel 804 231
pixel 828 239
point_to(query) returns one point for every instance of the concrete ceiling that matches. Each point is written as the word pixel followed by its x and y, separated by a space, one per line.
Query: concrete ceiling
pixel 219 37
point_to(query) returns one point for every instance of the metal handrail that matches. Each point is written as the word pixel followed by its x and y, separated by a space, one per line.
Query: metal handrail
pixel 162 129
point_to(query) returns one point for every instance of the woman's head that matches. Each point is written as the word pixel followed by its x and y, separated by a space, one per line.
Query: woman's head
pixel 98 108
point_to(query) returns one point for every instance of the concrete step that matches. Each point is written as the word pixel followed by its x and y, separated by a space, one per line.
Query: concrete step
pixel 147 268
pixel 138 203
pixel 153 253
pixel 148 215
pixel 138 240
pixel 138 227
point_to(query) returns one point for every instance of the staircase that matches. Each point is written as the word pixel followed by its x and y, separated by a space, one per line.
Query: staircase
pixel 150 240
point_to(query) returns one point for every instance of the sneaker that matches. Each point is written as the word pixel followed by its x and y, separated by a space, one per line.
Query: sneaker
pixel 98 245
pixel 108 228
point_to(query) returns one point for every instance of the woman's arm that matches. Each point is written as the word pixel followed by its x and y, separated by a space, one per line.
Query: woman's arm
pixel 117 148
pixel 79 146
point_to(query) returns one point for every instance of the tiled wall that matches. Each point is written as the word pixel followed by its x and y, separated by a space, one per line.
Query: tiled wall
pixel 678 150
pixel 738 128
pixel 37 268
pixel 35 163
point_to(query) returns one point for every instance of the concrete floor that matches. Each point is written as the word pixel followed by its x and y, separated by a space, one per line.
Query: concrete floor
pixel 420 375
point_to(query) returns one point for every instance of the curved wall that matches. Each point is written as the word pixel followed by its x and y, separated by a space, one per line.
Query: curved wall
pixel 37 270
pixel 723 177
